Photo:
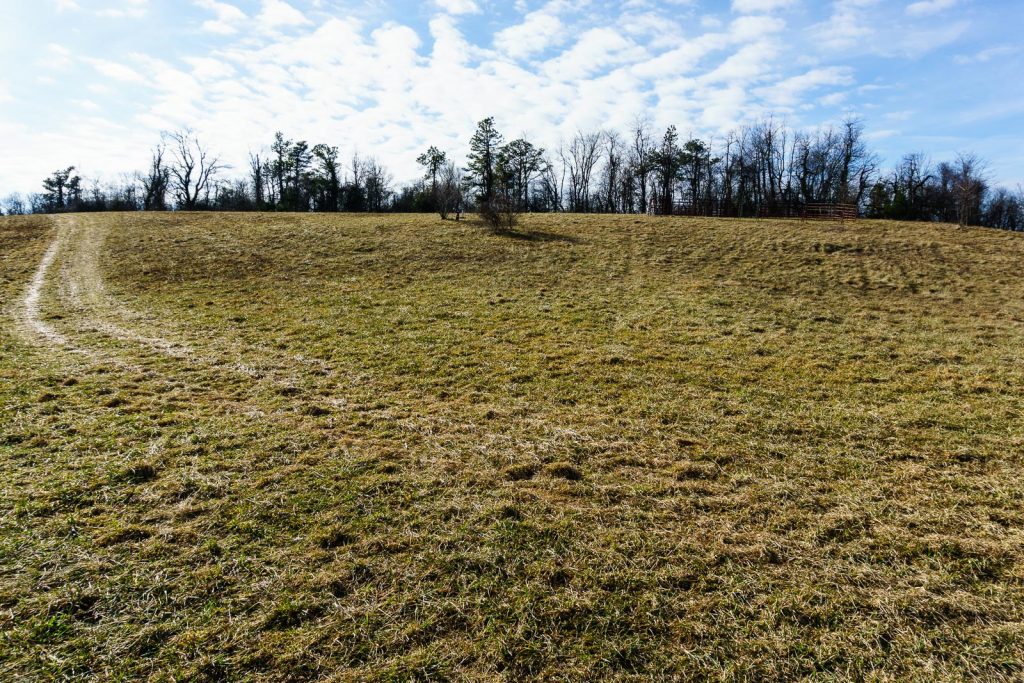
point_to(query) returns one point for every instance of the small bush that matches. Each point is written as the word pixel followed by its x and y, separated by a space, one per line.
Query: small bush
pixel 499 213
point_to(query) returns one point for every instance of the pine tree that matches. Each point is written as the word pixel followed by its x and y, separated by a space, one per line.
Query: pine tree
pixel 483 158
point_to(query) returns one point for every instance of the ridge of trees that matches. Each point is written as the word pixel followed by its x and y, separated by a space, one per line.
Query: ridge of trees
pixel 764 169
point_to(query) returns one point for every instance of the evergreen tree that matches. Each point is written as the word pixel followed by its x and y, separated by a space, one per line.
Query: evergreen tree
pixel 483 159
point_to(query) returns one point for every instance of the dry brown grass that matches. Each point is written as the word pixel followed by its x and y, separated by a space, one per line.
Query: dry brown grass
pixel 352 448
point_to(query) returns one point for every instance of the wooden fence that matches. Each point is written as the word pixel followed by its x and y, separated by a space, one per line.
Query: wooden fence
pixel 816 211
pixel 830 212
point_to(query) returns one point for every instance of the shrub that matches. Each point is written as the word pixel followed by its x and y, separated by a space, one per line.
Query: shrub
pixel 499 213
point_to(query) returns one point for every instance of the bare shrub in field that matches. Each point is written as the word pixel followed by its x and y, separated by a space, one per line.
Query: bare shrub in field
pixel 451 193
pixel 499 213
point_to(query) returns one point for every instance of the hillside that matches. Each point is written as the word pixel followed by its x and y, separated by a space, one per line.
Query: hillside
pixel 281 447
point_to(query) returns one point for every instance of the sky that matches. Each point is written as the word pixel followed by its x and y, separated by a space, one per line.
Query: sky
pixel 92 83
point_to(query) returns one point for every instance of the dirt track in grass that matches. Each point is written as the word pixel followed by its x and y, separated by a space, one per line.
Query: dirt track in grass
pixel 279 447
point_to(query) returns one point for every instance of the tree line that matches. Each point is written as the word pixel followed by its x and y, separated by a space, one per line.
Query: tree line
pixel 761 170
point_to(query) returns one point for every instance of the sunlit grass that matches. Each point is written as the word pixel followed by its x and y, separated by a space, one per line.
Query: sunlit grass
pixel 605 447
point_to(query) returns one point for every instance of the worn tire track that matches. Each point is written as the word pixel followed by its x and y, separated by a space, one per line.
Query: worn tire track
pixel 88 308
pixel 29 315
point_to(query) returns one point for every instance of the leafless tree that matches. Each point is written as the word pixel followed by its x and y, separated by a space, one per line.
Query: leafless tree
pixel 641 161
pixel 258 177
pixel 156 182
pixel 552 182
pixel 970 184
pixel 910 180
pixel 193 168
pixel 14 205
pixel 377 185
pixel 451 191
pixel 611 178
pixel 580 160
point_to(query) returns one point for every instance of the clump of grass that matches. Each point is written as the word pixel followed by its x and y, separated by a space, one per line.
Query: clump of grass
pixel 126 533
pixel 290 613
pixel 139 472
pixel 521 472
pixel 316 411
pixel 564 470
pixel 336 537
pixel 696 470
pixel 52 629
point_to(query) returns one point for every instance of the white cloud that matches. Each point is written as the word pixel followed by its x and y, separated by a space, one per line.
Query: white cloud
pixel 833 99
pixel 745 29
pixel 900 116
pixel 131 9
pixel 873 27
pixel 653 29
pixel 87 105
pixel 791 91
pixel 227 17
pixel 847 27
pixel 747 64
pixel 756 6
pixel 55 57
pixel 458 6
pixel 926 7
pixel 596 50
pixel 209 69
pixel 988 54
pixel 276 14
pixel 116 71
pixel 537 32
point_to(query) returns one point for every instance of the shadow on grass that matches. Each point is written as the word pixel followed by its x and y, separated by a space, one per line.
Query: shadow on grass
pixel 526 235
pixel 533 235
pixel 536 236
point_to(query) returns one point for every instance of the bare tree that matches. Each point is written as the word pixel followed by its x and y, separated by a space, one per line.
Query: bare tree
pixel 611 178
pixel 911 178
pixel 580 160
pixel 377 185
pixel 257 174
pixel 1005 210
pixel 858 164
pixel 969 187
pixel 155 183
pixel 641 161
pixel 193 169
pixel 552 182
pixel 14 204
pixel 450 191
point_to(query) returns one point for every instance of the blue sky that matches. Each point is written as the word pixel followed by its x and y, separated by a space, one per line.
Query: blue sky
pixel 93 82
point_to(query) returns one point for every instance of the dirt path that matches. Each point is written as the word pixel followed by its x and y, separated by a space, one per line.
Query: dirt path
pixel 69 274
pixel 87 294
pixel 69 281
pixel 29 314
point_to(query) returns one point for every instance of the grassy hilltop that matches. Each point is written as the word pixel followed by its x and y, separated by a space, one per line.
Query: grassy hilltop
pixel 359 448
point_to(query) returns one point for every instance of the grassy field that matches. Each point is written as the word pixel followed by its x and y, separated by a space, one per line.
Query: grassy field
pixel 390 448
